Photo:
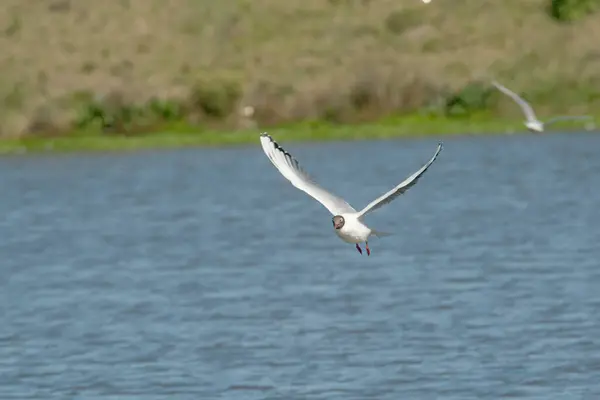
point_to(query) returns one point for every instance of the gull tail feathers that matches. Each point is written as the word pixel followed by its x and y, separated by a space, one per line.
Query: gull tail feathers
pixel 380 234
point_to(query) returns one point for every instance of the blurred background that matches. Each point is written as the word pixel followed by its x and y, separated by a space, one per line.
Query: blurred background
pixel 135 65
pixel 201 273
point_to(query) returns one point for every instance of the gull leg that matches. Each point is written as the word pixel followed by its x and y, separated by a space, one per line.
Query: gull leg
pixel 358 248
pixel 368 250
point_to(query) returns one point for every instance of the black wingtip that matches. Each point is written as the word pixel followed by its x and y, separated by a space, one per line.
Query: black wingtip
pixel 273 141
pixel 277 146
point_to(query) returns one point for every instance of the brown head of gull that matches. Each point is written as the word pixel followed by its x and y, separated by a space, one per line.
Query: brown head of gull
pixel 338 222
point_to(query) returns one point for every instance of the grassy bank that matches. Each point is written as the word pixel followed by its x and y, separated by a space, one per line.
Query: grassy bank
pixel 92 71
pixel 181 135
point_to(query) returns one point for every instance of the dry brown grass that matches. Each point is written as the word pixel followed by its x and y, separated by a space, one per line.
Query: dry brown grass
pixel 339 59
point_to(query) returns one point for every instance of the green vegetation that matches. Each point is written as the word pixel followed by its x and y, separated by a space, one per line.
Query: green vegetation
pixel 75 75
pixel 178 135
pixel 571 10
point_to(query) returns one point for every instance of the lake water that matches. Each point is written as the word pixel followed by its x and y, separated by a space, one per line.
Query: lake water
pixel 203 274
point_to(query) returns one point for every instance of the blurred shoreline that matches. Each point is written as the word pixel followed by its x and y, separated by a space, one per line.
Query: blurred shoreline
pixel 182 136
pixel 127 67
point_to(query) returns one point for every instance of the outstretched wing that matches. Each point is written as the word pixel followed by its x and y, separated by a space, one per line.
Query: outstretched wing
pixel 567 118
pixel 401 188
pixel 291 170
pixel 527 110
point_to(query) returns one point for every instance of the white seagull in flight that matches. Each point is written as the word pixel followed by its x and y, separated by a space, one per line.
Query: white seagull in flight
pixel 346 220
pixel 532 123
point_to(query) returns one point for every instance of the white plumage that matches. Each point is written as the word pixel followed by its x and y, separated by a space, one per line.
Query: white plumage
pixel 347 221
pixel 532 122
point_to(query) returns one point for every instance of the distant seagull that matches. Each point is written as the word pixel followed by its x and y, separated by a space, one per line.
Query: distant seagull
pixel 532 123
pixel 346 220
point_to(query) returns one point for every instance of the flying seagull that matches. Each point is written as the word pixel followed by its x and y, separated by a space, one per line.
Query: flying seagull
pixel 346 220
pixel 532 123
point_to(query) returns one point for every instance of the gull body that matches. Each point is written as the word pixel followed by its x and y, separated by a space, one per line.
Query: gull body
pixel 347 222
pixel 532 123
pixel 535 126
pixel 352 230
